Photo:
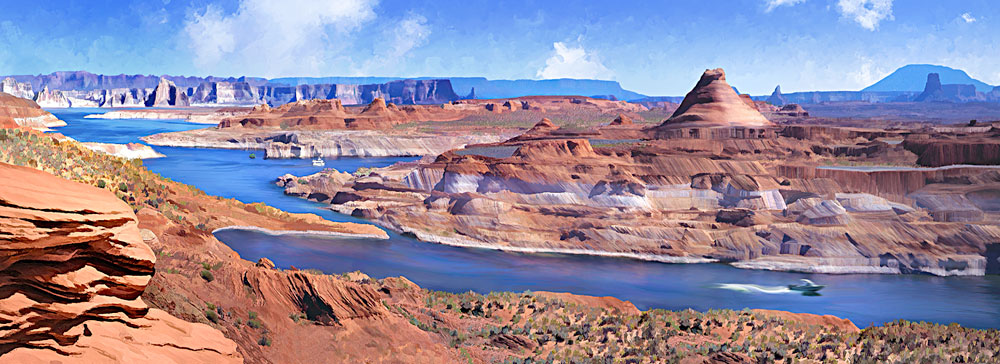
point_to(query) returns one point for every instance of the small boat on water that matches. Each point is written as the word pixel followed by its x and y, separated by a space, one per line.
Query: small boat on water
pixel 806 286
pixel 318 162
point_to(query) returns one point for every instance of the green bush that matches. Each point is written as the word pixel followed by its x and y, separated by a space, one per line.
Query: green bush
pixel 101 183
pixel 264 341
pixel 252 315
pixel 207 275
pixel 254 323
pixel 122 187
pixel 212 316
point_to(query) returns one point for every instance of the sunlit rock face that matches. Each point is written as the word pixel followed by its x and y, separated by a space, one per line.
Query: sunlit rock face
pixel 72 269
pixel 712 103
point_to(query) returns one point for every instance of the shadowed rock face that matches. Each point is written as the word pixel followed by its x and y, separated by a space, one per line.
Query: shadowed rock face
pixel 777 99
pixel 167 94
pixel 713 103
pixel 72 269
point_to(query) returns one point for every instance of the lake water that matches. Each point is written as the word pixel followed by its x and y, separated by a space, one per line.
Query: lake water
pixel 865 299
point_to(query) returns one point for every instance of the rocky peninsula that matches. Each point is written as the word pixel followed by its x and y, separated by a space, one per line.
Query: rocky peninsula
pixel 716 181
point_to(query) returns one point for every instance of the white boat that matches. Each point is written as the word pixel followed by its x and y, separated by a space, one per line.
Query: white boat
pixel 806 286
pixel 318 162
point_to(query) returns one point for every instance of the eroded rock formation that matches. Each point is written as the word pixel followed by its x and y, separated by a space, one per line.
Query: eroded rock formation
pixel 167 93
pixel 713 103
pixel 72 268
pixel 22 90
pixel 51 98
pixel 760 197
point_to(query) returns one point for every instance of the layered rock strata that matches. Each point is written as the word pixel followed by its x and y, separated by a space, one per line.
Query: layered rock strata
pixel 20 112
pixel 72 268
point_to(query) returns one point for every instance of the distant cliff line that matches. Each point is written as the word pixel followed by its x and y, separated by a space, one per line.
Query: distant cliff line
pixel 84 84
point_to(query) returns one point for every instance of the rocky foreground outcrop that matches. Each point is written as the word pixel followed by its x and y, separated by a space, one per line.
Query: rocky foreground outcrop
pixel 72 269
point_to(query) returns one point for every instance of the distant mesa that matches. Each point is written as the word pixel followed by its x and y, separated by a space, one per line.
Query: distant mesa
pixel 912 78
pixel 713 103
pixel 794 110
pixel 935 91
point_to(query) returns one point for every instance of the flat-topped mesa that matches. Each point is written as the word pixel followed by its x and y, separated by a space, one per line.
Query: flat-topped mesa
pixel 713 103
pixel 319 114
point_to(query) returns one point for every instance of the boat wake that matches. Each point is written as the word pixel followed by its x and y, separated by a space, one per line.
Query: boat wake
pixel 753 288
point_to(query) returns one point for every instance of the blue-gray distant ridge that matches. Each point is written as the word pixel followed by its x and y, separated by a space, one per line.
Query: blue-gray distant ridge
pixel 913 78
pixel 493 89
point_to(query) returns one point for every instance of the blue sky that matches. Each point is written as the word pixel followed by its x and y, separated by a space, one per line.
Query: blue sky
pixel 652 47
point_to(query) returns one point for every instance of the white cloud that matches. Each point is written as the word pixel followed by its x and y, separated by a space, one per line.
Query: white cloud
pixel 270 38
pixel 866 73
pixel 968 18
pixel 411 32
pixel 867 13
pixel 772 4
pixel 570 62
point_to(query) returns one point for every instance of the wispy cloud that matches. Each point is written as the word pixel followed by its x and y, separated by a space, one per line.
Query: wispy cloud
pixel 271 38
pixel 573 62
pixel 772 4
pixel 411 32
pixel 867 13
pixel 968 18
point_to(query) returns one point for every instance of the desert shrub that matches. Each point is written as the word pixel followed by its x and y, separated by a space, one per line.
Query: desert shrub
pixel 363 172
pixel 254 323
pixel 207 275
pixel 264 341
pixel 212 316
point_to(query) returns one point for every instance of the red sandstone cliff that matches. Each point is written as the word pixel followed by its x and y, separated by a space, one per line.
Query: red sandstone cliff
pixel 18 112
pixel 72 268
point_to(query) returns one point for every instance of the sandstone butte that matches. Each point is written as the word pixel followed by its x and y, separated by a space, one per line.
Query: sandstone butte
pixel 713 102
pixel 331 114
pixel 715 182
pixel 73 269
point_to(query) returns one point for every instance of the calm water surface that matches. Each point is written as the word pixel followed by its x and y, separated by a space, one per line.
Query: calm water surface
pixel 865 299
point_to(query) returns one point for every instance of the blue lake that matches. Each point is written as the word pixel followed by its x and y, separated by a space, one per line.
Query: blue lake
pixel 865 299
